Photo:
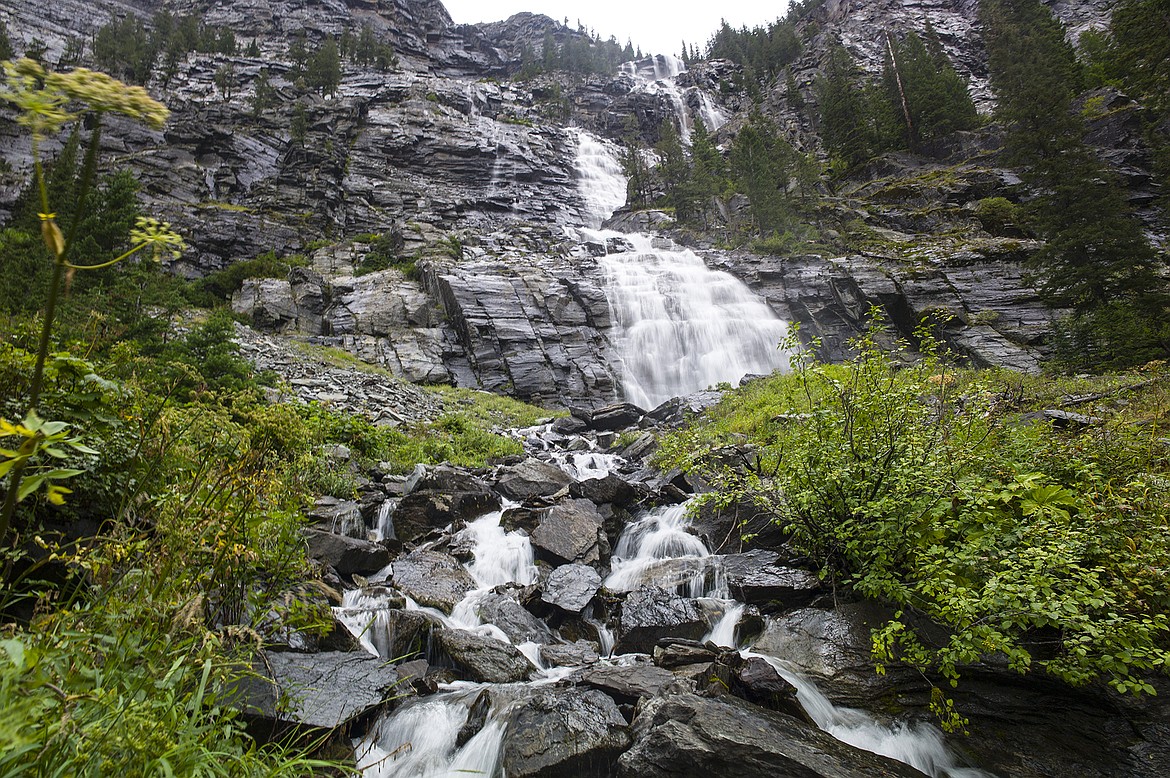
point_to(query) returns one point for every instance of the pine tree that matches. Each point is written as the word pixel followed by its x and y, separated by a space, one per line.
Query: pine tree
pixel 708 174
pixel 762 163
pixel 1096 256
pixel 926 93
pixel 323 71
pixel 845 126
pixel 673 170
pixel 6 50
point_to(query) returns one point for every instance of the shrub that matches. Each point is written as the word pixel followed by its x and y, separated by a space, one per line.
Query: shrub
pixel 913 486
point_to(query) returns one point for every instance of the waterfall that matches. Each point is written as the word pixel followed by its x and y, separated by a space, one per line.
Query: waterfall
pixel 658 549
pixel 681 327
pixel 600 179
pixel 421 741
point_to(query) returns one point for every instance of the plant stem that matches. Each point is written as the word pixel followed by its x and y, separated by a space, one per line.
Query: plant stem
pixel 59 262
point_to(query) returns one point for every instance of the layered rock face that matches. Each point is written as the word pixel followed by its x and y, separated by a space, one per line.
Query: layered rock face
pixel 475 177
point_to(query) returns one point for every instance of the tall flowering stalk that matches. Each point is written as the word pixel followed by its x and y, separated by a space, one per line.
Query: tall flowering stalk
pixel 46 102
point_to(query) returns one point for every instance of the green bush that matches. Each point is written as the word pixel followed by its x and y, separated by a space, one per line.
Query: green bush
pixel 918 487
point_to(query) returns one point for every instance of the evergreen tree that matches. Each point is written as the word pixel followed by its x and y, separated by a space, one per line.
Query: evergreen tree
pixel 225 79
pixel 298 126
pixel 1096 255
pixel 762 163
pixel 845 117
pixel 323 71
pixel 253 49
pixel 264 95
pixel 673 170
pixel 708 175
pixel 6 50
pixel 928 95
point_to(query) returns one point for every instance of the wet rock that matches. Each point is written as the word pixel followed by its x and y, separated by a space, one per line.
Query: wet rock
pixel 610 490
pixel 510 616
pixel 521 518
pixel 680 653
pixel 476 718
pixel 319 691
pixel 398 634
pixel 627 684
pixel 570 532
pixel 482 659
pixel 531 478
pixel 341 517
pixel 571 587
pixel 757 681
pixel 420 512
pixel 650 614
pixel 432 578
pixel 757 577
pixel 582 652
pixel 677 411
pixel 562 732
pixel 346 555
pixel 688 735
pixel 618 416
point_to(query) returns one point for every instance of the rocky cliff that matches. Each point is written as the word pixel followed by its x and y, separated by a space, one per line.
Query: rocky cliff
pixel 476 177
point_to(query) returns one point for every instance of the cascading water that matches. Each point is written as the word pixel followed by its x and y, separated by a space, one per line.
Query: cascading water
pixel 646 552
pixel 601 182
pixel 679 327
pixel 682 327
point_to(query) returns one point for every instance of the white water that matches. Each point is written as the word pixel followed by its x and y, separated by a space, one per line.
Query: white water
pixel 419 741
pixel 657 76
pixel 657 549
pixel 681 327
pixel 600 179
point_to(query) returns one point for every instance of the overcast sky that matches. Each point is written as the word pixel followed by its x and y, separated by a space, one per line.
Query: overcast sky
pixel 659 28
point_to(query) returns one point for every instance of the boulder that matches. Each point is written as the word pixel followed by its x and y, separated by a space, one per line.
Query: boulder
pixel 564 732
pixel 757 577
pixel 318 691
pixel 609 490
pixel 482 659
pixel 650 614
pixel 618 416
pixel 571 587
pixel 688 735
pixel 570 532
pixel 628 683
pixel 341 517
pixel 394 634
pixel 513 620
pixel 422 511
pixel 531 478
pixel 346 555
pixel 756 681
pixel 433 579
pixel 582 652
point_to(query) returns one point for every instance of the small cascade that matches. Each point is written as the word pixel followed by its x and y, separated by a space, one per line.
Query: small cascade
pixel 384 524
pixel 682 327
pixel 657 549
pixel 500 556
pixel 602 183
pixel 921 746
pixel 723 633
pixel 422 741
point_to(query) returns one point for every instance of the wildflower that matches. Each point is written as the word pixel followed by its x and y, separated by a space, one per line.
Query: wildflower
pixel 158 237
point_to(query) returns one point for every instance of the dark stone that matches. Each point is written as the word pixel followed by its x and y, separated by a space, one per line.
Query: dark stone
pixel 757 577
pixel 650 614
pixel 341 517
pixel 570 532
pixel 398 634
pixel 571 587
pixel 319 691
pixel 513 620
pixel 610 490
pixel 724 528
pixel 476 718
pixel 531 478
pixel 618 416
pixel 432 578
pixel 687 735
pixel 346 555
pixel 420 512
pixel 582 652
pixel 627 684
pixel 679 653
pixel 564 732
pixel 482 659
pixel 521 518
pixel 757 681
